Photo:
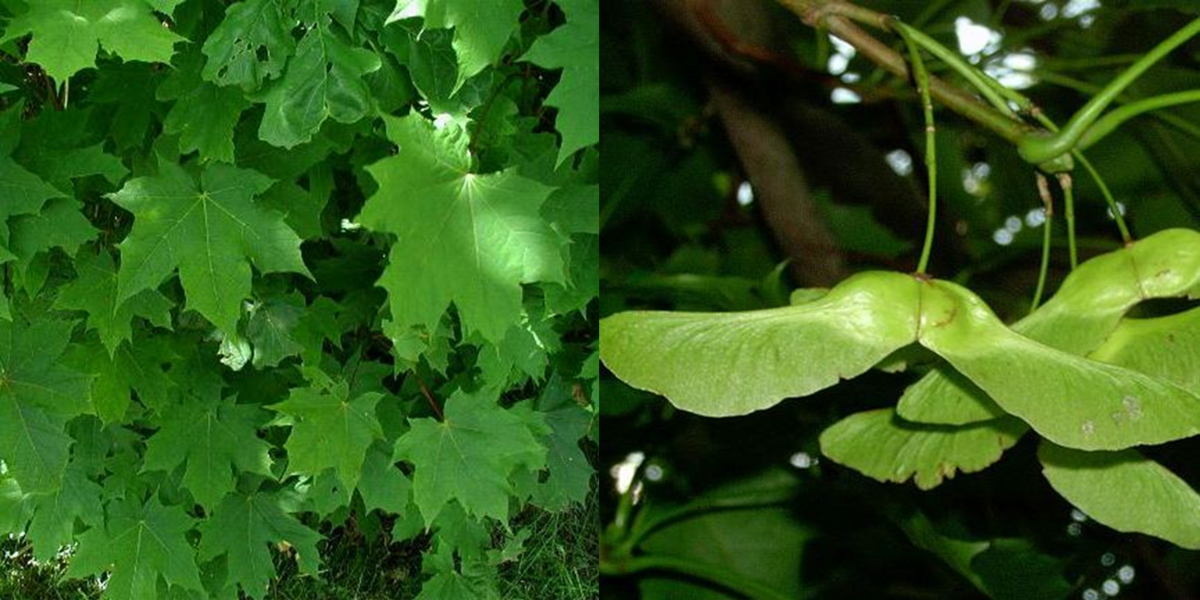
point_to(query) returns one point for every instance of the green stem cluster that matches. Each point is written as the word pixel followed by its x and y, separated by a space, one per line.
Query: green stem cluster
pixel 1051 149
pixel 1039 148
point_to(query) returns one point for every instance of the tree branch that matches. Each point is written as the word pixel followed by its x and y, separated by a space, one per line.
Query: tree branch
pixel 836 16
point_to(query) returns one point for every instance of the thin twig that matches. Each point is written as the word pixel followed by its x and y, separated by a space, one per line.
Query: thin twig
pixel 834 17
pixel 433 403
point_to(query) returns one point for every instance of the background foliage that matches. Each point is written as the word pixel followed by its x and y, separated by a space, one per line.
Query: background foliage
pixel 284 271
pixel 740 149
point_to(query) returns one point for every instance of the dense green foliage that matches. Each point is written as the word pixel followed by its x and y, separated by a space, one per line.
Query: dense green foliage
pixel 1083 409
pixel 282 270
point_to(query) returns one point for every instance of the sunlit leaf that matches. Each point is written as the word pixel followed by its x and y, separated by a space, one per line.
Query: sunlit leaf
pixel 1068 399
pixel 723 364
pixel 1088 305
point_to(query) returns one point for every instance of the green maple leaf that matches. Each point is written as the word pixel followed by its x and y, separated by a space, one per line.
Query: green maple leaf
pixel 481 27
pixel 570 474
pixel 211 232
pixel 270 329
pixel 329 430
pixel 204 115
pixel 429 57
pixel 574 48
pixel 216 438
pixel 449 585
pixel 37 396
pixel 471 455
pixel 140 544
pixel 68 33
pixel 134 367
pixel 58 145
pixel 382 485
pixel 95 292
pixel 324 80
pixel 54 514
pixel 24 194
pixel 60 224
pixel 164 6
pixel 251 45
pixel 243 529
pixel 488 234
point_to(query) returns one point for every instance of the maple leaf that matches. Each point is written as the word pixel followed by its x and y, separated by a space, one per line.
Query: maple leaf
pixel 95 292
pixel 481 27
pixel 216 438
pixel 462 238
pixel 24 194
pixel 470 456
pixel 68 33
pixel 60 224
pixel 243 528
pixel 140 544
pixel 323 80
pixel 574 48
pixel 250 46
pixel 211 233
pixel 270 329
pixel 59 147
pixel 329 430
pixel 55 513
pixel 204 115
pixel 133 367
pixel 570 475
pixel 382 485
pixel 37 396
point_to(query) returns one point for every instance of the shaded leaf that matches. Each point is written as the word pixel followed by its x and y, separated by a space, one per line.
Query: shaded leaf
pixel 95 292
pixel 210 230
pixel 243 528
pixel 330 430
pixel 251 45
pixel 470 456
pixel 324 79
pixel 481 27
pixel 1125 491
pixel 216 438
pixel 885 447
pixel 575 48
pixel 140 544
pixel 37 396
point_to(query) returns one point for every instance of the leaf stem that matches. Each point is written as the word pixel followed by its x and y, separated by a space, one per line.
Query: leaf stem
pixel 921 77
pixel 640 529
pixel 722 577
pixel 1113 207
pixel 1117 116
pixel 1043 186
pixel 1182 125
pixel 433 403
pixel 836 17
pixel 991 93
pixel 1068 188
pixel 1042 148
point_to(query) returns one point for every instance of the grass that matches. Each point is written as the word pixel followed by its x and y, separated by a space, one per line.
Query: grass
pixel 562 560
pixel 559 562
